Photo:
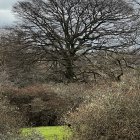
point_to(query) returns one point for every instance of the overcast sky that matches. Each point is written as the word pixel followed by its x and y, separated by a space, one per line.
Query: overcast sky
pixel 6 15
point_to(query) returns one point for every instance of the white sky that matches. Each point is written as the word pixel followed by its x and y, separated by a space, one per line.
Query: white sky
pixel 6 15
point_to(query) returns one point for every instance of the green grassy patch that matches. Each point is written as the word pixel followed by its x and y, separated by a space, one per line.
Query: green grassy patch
pixel 50 132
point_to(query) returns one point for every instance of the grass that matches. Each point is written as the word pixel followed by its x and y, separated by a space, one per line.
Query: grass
pixel 50 133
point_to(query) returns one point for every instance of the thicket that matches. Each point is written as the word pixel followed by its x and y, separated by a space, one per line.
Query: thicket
pixel 58 73
pixel 12 121
pixel 111 113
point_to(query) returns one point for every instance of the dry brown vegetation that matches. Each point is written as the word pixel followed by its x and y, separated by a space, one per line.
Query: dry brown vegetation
pixel 41 104
pixel 111 113
pixel 77 65
pixel 101 108
pixel 12 120
pixel 108 111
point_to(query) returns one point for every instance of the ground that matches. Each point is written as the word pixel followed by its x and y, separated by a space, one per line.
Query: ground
pixel 51 132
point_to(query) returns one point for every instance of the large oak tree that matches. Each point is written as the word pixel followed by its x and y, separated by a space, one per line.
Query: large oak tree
pixel 64 31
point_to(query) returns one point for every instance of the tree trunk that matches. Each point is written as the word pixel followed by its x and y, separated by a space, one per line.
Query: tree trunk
pixel 69 73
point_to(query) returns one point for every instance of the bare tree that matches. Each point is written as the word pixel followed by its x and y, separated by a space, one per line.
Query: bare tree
pixel 14 60
pixel 63 31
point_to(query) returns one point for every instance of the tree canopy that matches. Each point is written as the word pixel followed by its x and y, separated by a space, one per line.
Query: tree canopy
pixel 65 31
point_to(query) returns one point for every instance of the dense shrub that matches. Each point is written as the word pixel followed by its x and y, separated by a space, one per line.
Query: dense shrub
pixel 39 103
pixel 11 120
pixel 112 113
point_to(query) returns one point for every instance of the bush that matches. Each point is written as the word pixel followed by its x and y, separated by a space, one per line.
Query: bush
pixel 113 113
pixel 39 104
pixel 11 120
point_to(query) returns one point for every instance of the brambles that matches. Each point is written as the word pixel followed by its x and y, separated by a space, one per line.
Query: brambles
pixel 40 105
pixel 11 119
pixel 112 113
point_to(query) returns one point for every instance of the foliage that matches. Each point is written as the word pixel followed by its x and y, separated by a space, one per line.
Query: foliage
pixel 39 103
pixel 112 112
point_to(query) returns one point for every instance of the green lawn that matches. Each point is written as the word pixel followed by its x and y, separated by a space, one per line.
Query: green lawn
pixel 50 132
